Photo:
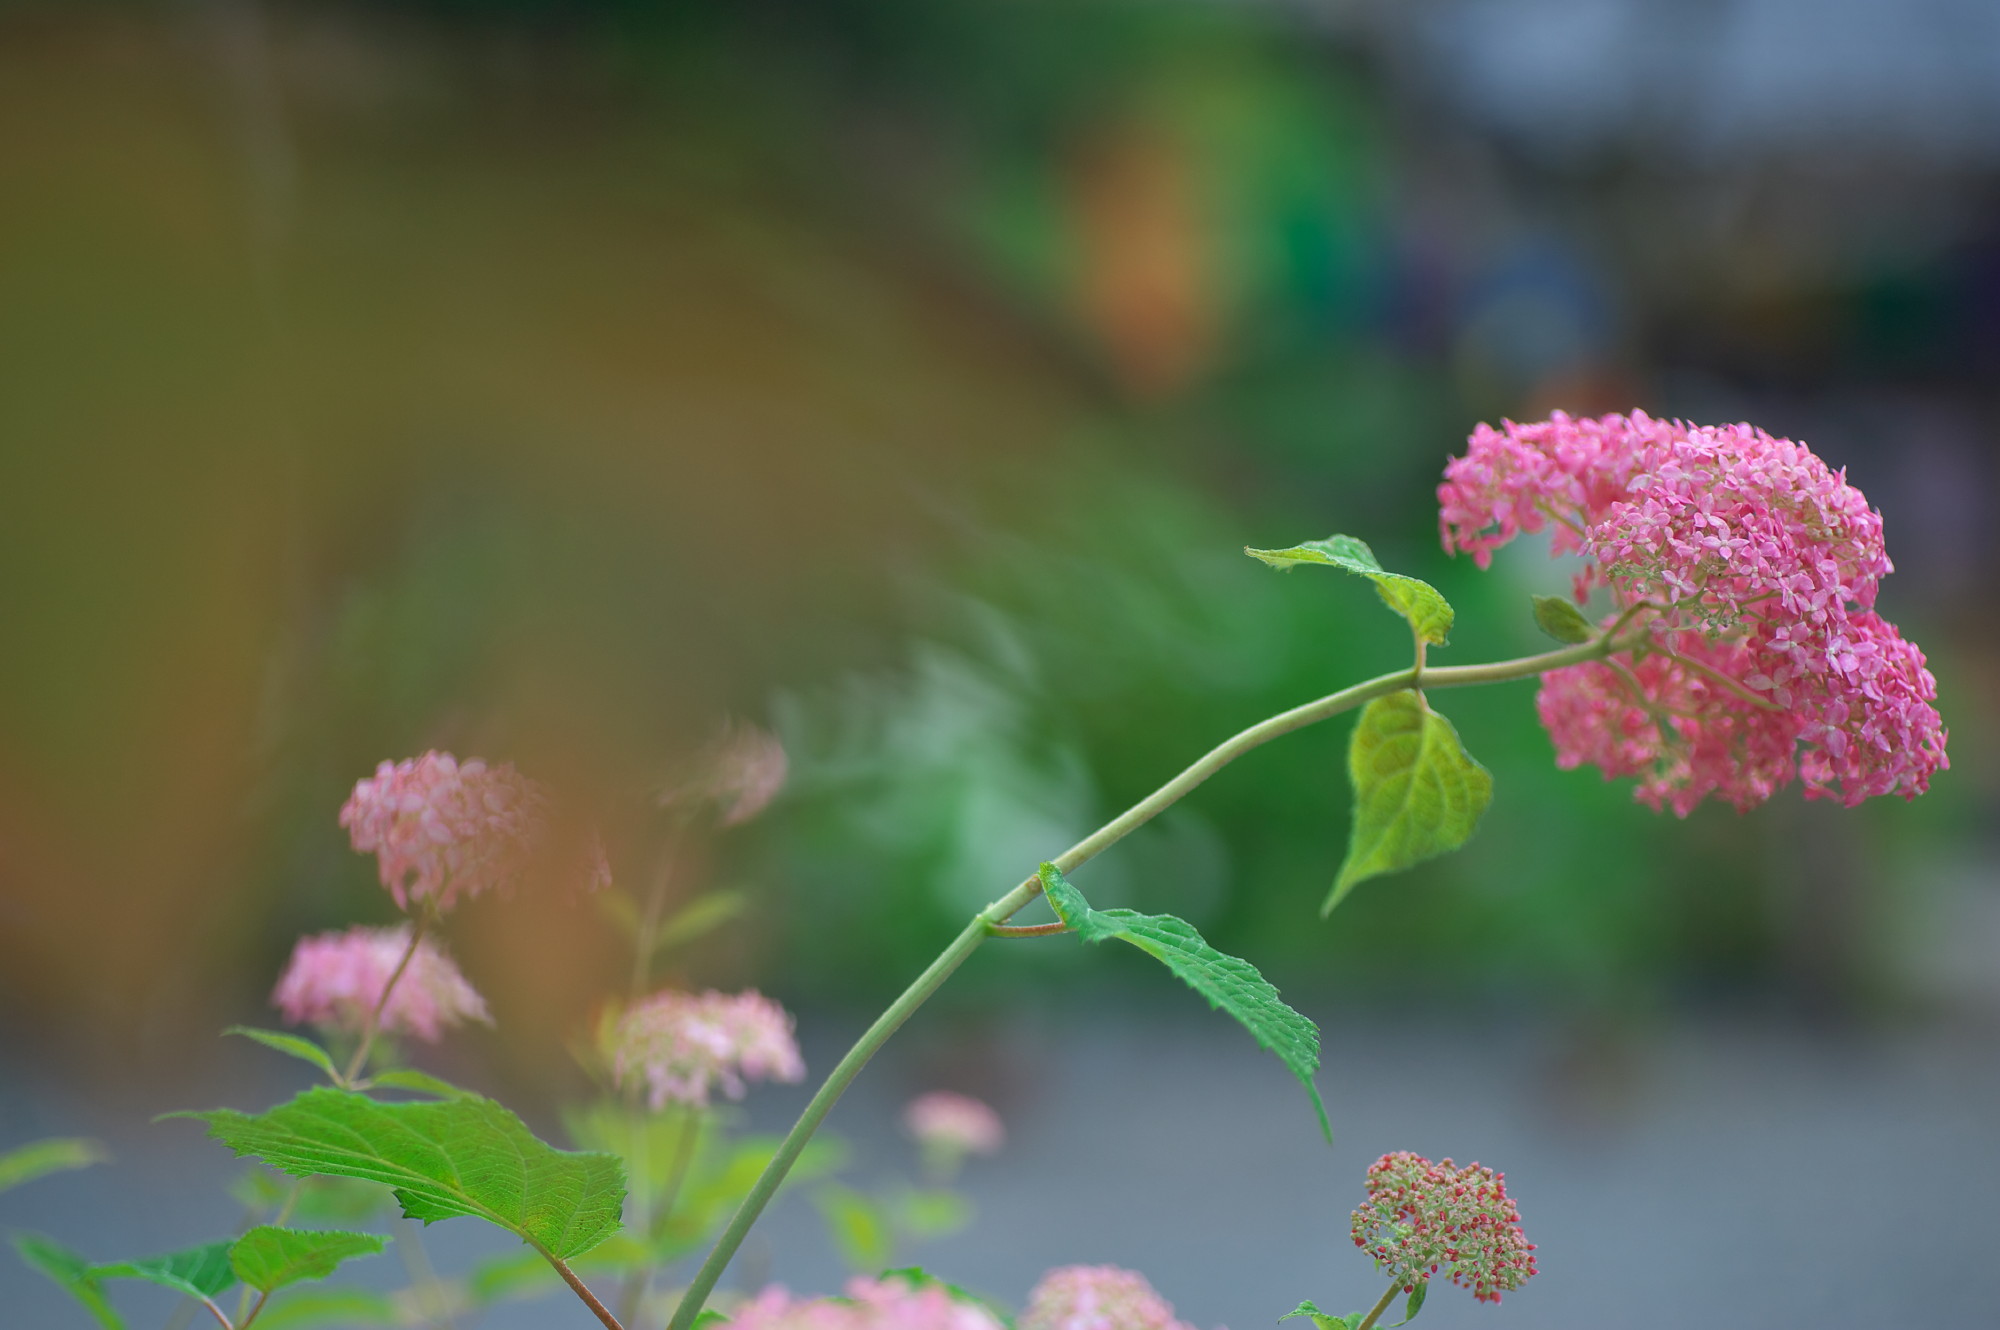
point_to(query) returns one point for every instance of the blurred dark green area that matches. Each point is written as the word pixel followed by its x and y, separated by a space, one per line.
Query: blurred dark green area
pixel 549 381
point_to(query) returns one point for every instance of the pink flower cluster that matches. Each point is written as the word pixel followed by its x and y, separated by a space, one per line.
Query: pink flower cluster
pixel 1420 1216
pixel 441 829
pixel 1755 569
pixel 954 1124
pixel 334 980
pixel 684 1045
pixel 1097 1297
pixel 894 1302
pixel 738 774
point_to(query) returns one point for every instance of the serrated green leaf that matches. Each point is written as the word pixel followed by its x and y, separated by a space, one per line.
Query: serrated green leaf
pixel 199 1272
pixel 1414 1304
pixel 1559 617
pixel 466 1156
pixel 303 1049
pixel 71 1273
pixel 1230 984
pixel 1429 613
pixel 1320 1319
pixel 932 1213
pixel 40 1158
pixel 1417 793
pixel 305 1308
pixel 409 1078
pixel 859 1228
pixel 268 1257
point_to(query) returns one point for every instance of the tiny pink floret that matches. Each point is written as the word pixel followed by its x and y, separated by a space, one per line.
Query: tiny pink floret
pixel 1421 1217
pixel 1764 564
pixel 334 981
pixel 893 1302
pixel 957 1123
pixel 442 829
pixel 1097 1297
pixel 684 1046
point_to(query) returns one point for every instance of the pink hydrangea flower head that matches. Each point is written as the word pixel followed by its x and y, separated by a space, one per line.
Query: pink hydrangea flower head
pixel 738 775
pixel 1097 1297
pixel 1753 569
pixel 441 829
pixel 334 980
pixel 683 1046
pixel 894 1302
pixel 1420 1217
pixel 953 1124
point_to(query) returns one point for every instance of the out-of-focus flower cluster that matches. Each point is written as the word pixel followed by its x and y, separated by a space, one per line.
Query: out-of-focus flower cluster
pixel 953 1124
pixel 1765 659
pixel 442 829
pixel 1420 1216
pixel 682 1046
pixel 334 981
pixel 894 1302
pixel 738 775
pixel 1097 1297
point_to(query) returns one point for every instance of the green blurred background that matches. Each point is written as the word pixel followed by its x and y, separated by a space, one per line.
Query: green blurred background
pixel 550 381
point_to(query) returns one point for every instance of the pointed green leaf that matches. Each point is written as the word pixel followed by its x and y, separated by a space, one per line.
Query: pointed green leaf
pixel 71 1272
pixel 1559 617
pixel 1229 983
pixel 1430 615
pixel 199 1272
pixel 268 1257
pixel 1320 1319
pixel 305 1308
pixel 709 1317
pixel 1414 1304
pixel 466 1156
pixel 40 1158
pixel 409 1078
pixel 303 1049
pixel 859 1228
pixel 1417 793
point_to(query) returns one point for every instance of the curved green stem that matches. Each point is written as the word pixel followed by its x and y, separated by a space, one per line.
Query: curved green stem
pixel 1375 1312
pixel 996 914
pixel 359 1061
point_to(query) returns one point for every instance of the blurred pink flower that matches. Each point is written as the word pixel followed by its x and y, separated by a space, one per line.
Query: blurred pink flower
pixel 334 980
pixel 1420 1216
pixel 1097 1297
pixel 1762 565
pixel 440 828
pixel 739 773
pixel 894 1302
pixel 684 1045
pixel 954 1123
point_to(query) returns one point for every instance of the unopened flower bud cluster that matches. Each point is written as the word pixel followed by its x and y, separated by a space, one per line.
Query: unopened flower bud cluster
pixel 1422 1217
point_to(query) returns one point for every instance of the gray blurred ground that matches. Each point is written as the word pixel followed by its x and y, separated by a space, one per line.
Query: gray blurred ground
pixel 1720 1174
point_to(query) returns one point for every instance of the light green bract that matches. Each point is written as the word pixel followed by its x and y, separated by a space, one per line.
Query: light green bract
pixel 1417 793
pixel 268 1257
pixel 1229 983
pixel 305 1050
pixel 1429 613
pixel 464 1156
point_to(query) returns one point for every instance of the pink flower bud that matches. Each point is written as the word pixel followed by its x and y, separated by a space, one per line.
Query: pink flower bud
pixel 440 828
pixel 334 981
pixel 684 1045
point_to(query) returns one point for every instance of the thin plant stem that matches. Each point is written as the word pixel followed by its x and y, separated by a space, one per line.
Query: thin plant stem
pixel 374 1025
pixel 433 1304
pixel 1138 815
pixel 243 1322
pixel 602 1312
pixel 1382 1305
pixel 217 1313
pixel 1026 930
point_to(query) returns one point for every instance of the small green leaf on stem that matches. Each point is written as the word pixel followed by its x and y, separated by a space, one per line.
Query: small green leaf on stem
pixel 268 1257
pixel 465 1156
pixel 1415 1303
pixel 1229 983
pixel 40 1158
pixel 1430 615
pixel 859 1228
pixel 1320 1319
pixel 71 1273
pixel 1559 617
pixel 1417 793
pixel 199 1272
pixel 709 1316
pixel 303 1049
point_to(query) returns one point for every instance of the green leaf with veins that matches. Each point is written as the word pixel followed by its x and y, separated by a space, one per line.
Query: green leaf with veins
pixel 305 1050
pixel 268 1257
pixel 1417 793
pixel 40 1158
pixel 71 1273
pixel 199 1272
pixel 465 1156
pixel 1559 617
pixel 1429 613
pixel 1229 983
